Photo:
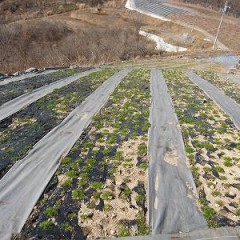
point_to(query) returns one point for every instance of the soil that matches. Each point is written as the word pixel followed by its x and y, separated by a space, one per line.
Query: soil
pixel 99 189
pixel 22 130
pixel 15 89
pixel 211 144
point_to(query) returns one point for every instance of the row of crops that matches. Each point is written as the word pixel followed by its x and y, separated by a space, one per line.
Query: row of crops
pixel 19 132
pixel 15 89
pixel 212 144
pixel 100 188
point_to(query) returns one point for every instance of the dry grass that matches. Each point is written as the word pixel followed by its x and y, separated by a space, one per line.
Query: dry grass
pixel 208 20
pixel 86 36
pixel 64 40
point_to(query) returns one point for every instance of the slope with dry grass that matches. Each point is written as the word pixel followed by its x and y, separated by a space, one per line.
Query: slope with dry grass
pixel 80 37
pixel 208 19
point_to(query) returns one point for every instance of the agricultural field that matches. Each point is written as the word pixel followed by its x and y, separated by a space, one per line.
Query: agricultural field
pixel 101 186
pixel 212 144
pixel 15 89
pixel 19 132
pixel 99 189
pixel 230 88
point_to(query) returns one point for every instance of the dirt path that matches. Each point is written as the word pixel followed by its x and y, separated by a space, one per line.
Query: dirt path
pixel 172 204
pixel 22 186
pixel 224 102
pixel 13 106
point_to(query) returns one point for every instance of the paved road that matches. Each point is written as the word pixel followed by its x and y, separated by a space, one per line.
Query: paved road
pixel 227 104
pixel 24 76
pixel 22 186
pixel 13 106
pixel 155 8
pixel 171 186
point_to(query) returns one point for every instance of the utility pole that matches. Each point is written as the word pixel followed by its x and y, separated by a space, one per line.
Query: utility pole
pixel 220 24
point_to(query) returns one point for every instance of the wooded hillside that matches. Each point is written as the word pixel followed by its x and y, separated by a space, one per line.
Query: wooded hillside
pixel 219 4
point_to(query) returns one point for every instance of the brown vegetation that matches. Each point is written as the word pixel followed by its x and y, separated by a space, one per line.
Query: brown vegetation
pixel 208 20
pixel 49 33
pixel 219 4
pixel 82 38
pixel 13 10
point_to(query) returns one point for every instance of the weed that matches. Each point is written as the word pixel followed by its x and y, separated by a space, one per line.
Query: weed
pixel 71 173
pixel 143 166
pixel 78 194
pixel 46 225
pixel 126 192
pixel 67 183
pixel 66 226
pixel 107 207
pixel 66 161
pixel 107 195
pixel 219 169
pixel 238 213
pixel 143 228
pixel 209 214
pixel 216 193
pixel 97 185
pixel 189 149
pixel 123 232
pixel 142 149
pixel 51 212
pixel 227 161
pixel 72 216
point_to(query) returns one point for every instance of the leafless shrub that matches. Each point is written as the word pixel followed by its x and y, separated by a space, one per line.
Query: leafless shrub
pixel 44 43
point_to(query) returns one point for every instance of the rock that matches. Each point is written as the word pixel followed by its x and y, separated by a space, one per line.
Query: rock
pixel 112 232
pixel 232 145
pixel 134 229
pixel 87 213
pixel 224 221
pixel 209 154
pixel 233 204
pixel 202 193
pixel 215 173
pixel 211 163
pixel 220 154
pixel 198 158
pixel 231 195
pixel 236 185
pixel 109 183
pixel 17 74
pixel 223 212
pixel 100 205
pixel 73 67
pixel 29 70
pixel 208 176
